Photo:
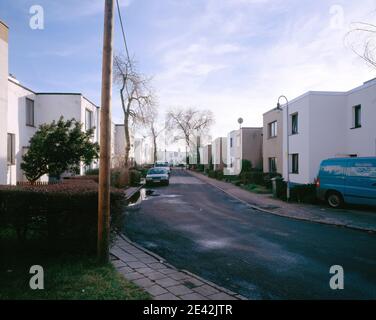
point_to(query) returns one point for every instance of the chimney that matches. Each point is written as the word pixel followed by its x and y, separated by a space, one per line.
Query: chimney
pixel 3 100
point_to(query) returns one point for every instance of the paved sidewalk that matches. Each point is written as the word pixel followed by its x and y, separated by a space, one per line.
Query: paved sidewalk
pixel 161 280
pixel 351 218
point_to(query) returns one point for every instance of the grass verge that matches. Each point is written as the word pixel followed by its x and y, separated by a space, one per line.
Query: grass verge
pixel 66 277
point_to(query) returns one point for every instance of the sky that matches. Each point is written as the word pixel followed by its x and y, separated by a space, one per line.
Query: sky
pixel 234 57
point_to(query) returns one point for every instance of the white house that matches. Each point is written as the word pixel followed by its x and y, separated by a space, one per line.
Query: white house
pixel 323 125
pixel 3 101
pixel 243 144
pixel 27 110
pixel 23 110
pixel 219 153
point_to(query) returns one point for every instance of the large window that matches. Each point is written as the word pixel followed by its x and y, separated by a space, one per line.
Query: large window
pixel 294 163
pixel 11 148
pixel 272 128
pixel 30 112
pixel 272 164
pixel 88 119
pixel 294 123
pixel 357 116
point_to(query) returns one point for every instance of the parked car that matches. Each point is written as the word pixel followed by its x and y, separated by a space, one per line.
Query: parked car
pixel 157 176
pixel 164 165
pixel 347 180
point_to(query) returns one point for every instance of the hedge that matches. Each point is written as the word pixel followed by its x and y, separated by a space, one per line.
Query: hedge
pixel 63 214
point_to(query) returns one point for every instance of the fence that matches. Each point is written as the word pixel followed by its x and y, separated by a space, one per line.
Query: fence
pixel 37 183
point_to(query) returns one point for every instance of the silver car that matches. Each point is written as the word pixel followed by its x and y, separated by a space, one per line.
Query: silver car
pixel 158 176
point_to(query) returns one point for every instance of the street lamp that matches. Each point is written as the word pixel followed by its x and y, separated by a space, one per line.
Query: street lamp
pixel 287 142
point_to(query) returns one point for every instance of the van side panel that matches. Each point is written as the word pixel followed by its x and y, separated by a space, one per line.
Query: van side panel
pixel 361 181
pixel 332 176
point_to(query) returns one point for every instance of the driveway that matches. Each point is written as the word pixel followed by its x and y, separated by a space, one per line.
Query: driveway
pixel 197 227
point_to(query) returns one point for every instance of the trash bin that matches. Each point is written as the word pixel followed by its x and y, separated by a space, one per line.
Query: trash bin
pixel 276 185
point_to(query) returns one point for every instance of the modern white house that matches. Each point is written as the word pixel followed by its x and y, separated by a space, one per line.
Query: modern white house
pixel 325 125
pixel 3 101
pixel 172 157
pixel 23 110
pixel 27 110
pixel 219 153
pixel 243 144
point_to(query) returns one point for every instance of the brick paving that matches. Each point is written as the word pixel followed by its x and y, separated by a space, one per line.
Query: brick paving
pixel 161 280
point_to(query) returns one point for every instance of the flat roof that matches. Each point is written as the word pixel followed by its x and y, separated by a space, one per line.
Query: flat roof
pixel 51 93
pixel 4 24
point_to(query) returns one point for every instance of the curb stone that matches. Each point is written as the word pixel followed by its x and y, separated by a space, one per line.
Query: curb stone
pixel 348 226
pixel 164 292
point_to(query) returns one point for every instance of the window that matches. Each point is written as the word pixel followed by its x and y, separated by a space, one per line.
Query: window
pixel 88 119
pixel 294 123
pixel 29 112
pixel 272 164
pixel 272 128
pixel 230 142
pixel 294 163
pixel 11 146
pixel 357 116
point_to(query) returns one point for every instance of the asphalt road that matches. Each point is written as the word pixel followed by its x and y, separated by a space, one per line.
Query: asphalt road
pixel 196 227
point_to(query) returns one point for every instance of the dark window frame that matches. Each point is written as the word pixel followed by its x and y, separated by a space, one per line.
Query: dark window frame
pixel 272 162
pixel 294 124
pixel 357 116
pixel 294 166
pixel 11 149
pixel 273 129
pixel 27 107
pixel 91 125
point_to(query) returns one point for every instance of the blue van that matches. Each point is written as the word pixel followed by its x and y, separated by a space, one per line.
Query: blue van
pixel 347 180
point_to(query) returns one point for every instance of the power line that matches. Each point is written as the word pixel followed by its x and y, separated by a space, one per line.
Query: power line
pixel 122 29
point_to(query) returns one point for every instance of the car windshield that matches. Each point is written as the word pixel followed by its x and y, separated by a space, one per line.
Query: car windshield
pixel 156 171
pixel 161 165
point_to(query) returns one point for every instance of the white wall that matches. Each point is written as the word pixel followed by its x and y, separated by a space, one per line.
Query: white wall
pixel 53 106
pixel 326 129
pixel 233 153
pixel 16 122
pixel 362 141
pixel 3 101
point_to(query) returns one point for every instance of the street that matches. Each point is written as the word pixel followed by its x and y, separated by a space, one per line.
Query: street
pixel 197 227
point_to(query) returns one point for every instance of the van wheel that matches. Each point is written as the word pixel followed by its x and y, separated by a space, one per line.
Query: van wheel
pixel 334 199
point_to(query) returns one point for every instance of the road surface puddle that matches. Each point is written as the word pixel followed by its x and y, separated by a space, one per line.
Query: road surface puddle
pixel 215 244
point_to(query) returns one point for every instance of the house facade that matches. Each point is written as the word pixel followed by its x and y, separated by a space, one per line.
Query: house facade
pixel 27 110
pixel 272 141
pixel 23 110
pixel 219 152
pixel 3 101
pixel 244 144
pixel 322 125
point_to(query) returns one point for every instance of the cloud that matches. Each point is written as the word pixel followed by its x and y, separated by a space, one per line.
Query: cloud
pixel 237 62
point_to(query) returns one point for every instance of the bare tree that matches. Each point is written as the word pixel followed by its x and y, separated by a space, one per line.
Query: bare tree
pixel 153 130
pixel 362 40
pixel 136 97
pixel 188 124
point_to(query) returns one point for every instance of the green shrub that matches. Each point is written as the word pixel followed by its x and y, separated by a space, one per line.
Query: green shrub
pixel 92 172
pixel 219 174
pixel 63 214
pixel 253 177
pixel 305 193
pixel 134 177
pixel 200 167
pixel 246 165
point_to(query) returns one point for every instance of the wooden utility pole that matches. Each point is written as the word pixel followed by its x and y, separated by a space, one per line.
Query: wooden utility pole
pixel 105 136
